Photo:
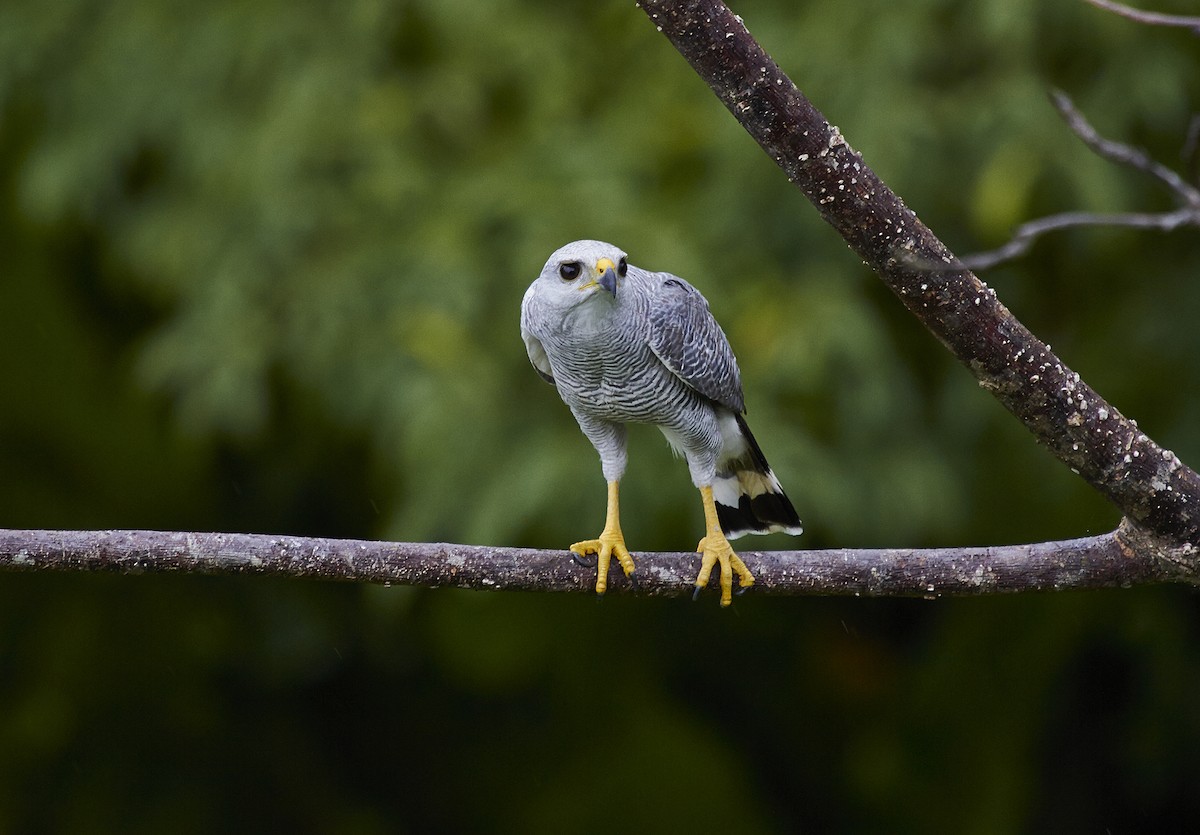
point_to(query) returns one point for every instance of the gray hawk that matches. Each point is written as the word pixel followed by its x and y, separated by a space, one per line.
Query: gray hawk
pixel 623 345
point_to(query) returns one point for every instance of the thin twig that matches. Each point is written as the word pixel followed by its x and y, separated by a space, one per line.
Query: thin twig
pixel 1029 232
pixel 1190 153
pixel 1120 153
pixel 1149 18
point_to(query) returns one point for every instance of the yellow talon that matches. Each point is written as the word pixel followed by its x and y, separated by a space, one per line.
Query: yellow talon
pixel 605 548
pixel 715 548
pixel 610 543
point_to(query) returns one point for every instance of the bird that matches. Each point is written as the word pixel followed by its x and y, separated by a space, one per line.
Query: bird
pixel 623 345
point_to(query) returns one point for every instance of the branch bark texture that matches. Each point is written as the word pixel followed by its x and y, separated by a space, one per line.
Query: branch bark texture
pixel 1121 558
pixel 1146 482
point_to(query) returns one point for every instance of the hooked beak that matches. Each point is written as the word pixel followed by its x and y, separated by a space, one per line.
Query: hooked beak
pixel 608 276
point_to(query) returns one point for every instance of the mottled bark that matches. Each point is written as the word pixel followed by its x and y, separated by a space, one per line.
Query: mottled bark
pixel 1115 559
pixel 1147 483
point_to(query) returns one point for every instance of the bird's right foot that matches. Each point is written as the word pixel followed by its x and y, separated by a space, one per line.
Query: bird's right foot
pixel 609 544
pixel 582 561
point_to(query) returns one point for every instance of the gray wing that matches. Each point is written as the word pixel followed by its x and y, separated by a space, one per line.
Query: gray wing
pixel 533 345
pixel 537 356
pixel 687 339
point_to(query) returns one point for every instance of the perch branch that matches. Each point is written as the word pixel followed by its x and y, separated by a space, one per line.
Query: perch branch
pixel 1122 558
pixel 1147 483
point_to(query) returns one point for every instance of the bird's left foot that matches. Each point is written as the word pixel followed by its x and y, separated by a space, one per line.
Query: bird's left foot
pixel 715 549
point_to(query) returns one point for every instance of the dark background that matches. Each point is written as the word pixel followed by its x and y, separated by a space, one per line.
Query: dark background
pixel 260 270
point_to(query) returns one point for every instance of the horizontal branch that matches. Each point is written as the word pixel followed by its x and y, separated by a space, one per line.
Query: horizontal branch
pixel 1124 557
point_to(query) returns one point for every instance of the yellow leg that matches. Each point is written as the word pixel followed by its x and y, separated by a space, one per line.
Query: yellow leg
pixel 716 549
pixel 610 543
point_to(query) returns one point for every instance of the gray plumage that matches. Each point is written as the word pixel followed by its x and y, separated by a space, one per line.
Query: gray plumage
pixel 623 345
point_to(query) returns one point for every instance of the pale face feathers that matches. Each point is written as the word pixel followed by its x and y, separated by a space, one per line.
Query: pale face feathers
pixel 579 272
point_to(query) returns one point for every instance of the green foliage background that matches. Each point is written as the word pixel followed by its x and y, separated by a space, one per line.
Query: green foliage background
pixel 260 269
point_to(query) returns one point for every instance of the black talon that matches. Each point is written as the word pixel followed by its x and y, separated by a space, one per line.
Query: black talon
pixel 579 560
pixel 696 593
pixel 741 590
pixel 633 580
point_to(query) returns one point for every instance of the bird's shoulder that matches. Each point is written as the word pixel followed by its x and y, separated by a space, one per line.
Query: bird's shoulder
pixel 688 340
pixel 671 292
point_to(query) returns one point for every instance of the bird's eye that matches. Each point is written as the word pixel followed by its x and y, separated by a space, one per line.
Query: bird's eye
pixel 570 270
pixel 622 267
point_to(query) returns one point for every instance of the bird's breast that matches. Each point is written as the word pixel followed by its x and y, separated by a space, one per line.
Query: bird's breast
pixel 615 377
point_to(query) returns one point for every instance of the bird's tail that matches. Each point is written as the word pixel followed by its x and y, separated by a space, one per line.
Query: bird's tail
pixel 748 496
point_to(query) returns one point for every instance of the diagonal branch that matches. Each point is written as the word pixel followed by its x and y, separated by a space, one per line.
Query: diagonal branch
pixel 1121 558
pixel 1146 482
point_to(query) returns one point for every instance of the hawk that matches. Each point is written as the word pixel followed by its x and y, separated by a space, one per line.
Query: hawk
pixel 623 345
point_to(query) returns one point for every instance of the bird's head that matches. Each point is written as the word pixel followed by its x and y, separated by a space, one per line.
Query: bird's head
pixel 580 271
